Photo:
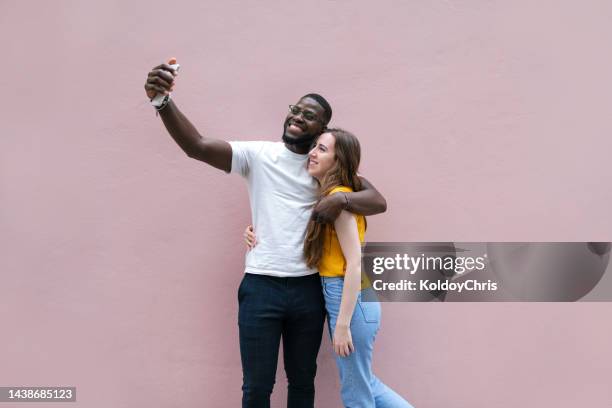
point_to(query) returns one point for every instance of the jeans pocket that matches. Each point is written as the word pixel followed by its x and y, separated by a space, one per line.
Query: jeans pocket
pixel 333 288
pixel 370 310
pixel 241 288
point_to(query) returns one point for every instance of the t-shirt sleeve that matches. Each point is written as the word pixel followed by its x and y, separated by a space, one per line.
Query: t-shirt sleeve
pixel 358 217
pixel 341 189
pixel 243 156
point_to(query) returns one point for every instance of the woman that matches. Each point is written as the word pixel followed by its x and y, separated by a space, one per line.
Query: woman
pixel 336 251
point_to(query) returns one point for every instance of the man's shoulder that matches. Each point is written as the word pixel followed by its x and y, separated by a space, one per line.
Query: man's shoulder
pixel 259 146
pixel 261 143
pixel 255 147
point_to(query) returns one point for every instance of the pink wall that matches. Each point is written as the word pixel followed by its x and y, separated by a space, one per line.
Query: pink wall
pixel 121 257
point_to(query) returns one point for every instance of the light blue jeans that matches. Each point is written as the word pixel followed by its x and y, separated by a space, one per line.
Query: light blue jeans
pixel 360 388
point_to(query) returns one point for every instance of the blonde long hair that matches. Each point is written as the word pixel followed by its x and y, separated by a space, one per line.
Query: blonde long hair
pixel 343 173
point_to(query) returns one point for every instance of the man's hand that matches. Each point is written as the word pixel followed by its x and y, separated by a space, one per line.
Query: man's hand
pixel 329 208
pixel 161 79
pixel 250 239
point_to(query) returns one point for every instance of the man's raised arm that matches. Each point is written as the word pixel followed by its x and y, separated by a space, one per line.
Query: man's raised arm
pixel 217 153
pixel 367 201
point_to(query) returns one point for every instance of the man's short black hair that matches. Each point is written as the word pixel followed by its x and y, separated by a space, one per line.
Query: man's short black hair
pixel 324 104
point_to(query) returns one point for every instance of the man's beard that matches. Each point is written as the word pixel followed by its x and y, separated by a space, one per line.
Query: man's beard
pixel 303 142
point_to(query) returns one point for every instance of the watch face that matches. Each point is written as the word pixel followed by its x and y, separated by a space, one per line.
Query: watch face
pixel 163 103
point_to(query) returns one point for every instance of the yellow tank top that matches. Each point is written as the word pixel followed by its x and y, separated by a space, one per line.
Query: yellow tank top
pixel 333 263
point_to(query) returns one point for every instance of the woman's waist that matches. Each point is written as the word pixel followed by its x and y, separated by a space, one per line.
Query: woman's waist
pixel 339 281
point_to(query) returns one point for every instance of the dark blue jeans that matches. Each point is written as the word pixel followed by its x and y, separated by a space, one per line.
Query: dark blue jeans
pixel 272 308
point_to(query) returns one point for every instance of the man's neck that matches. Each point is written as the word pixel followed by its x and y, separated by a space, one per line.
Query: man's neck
pixel 297 150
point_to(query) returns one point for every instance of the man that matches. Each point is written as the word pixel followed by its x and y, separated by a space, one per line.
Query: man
pixel 279 296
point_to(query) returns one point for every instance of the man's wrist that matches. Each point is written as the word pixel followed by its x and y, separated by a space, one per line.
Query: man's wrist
pixel 345 202
pixel 164 103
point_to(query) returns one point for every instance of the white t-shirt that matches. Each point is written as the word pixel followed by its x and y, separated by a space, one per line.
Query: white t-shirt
pixel 282 196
